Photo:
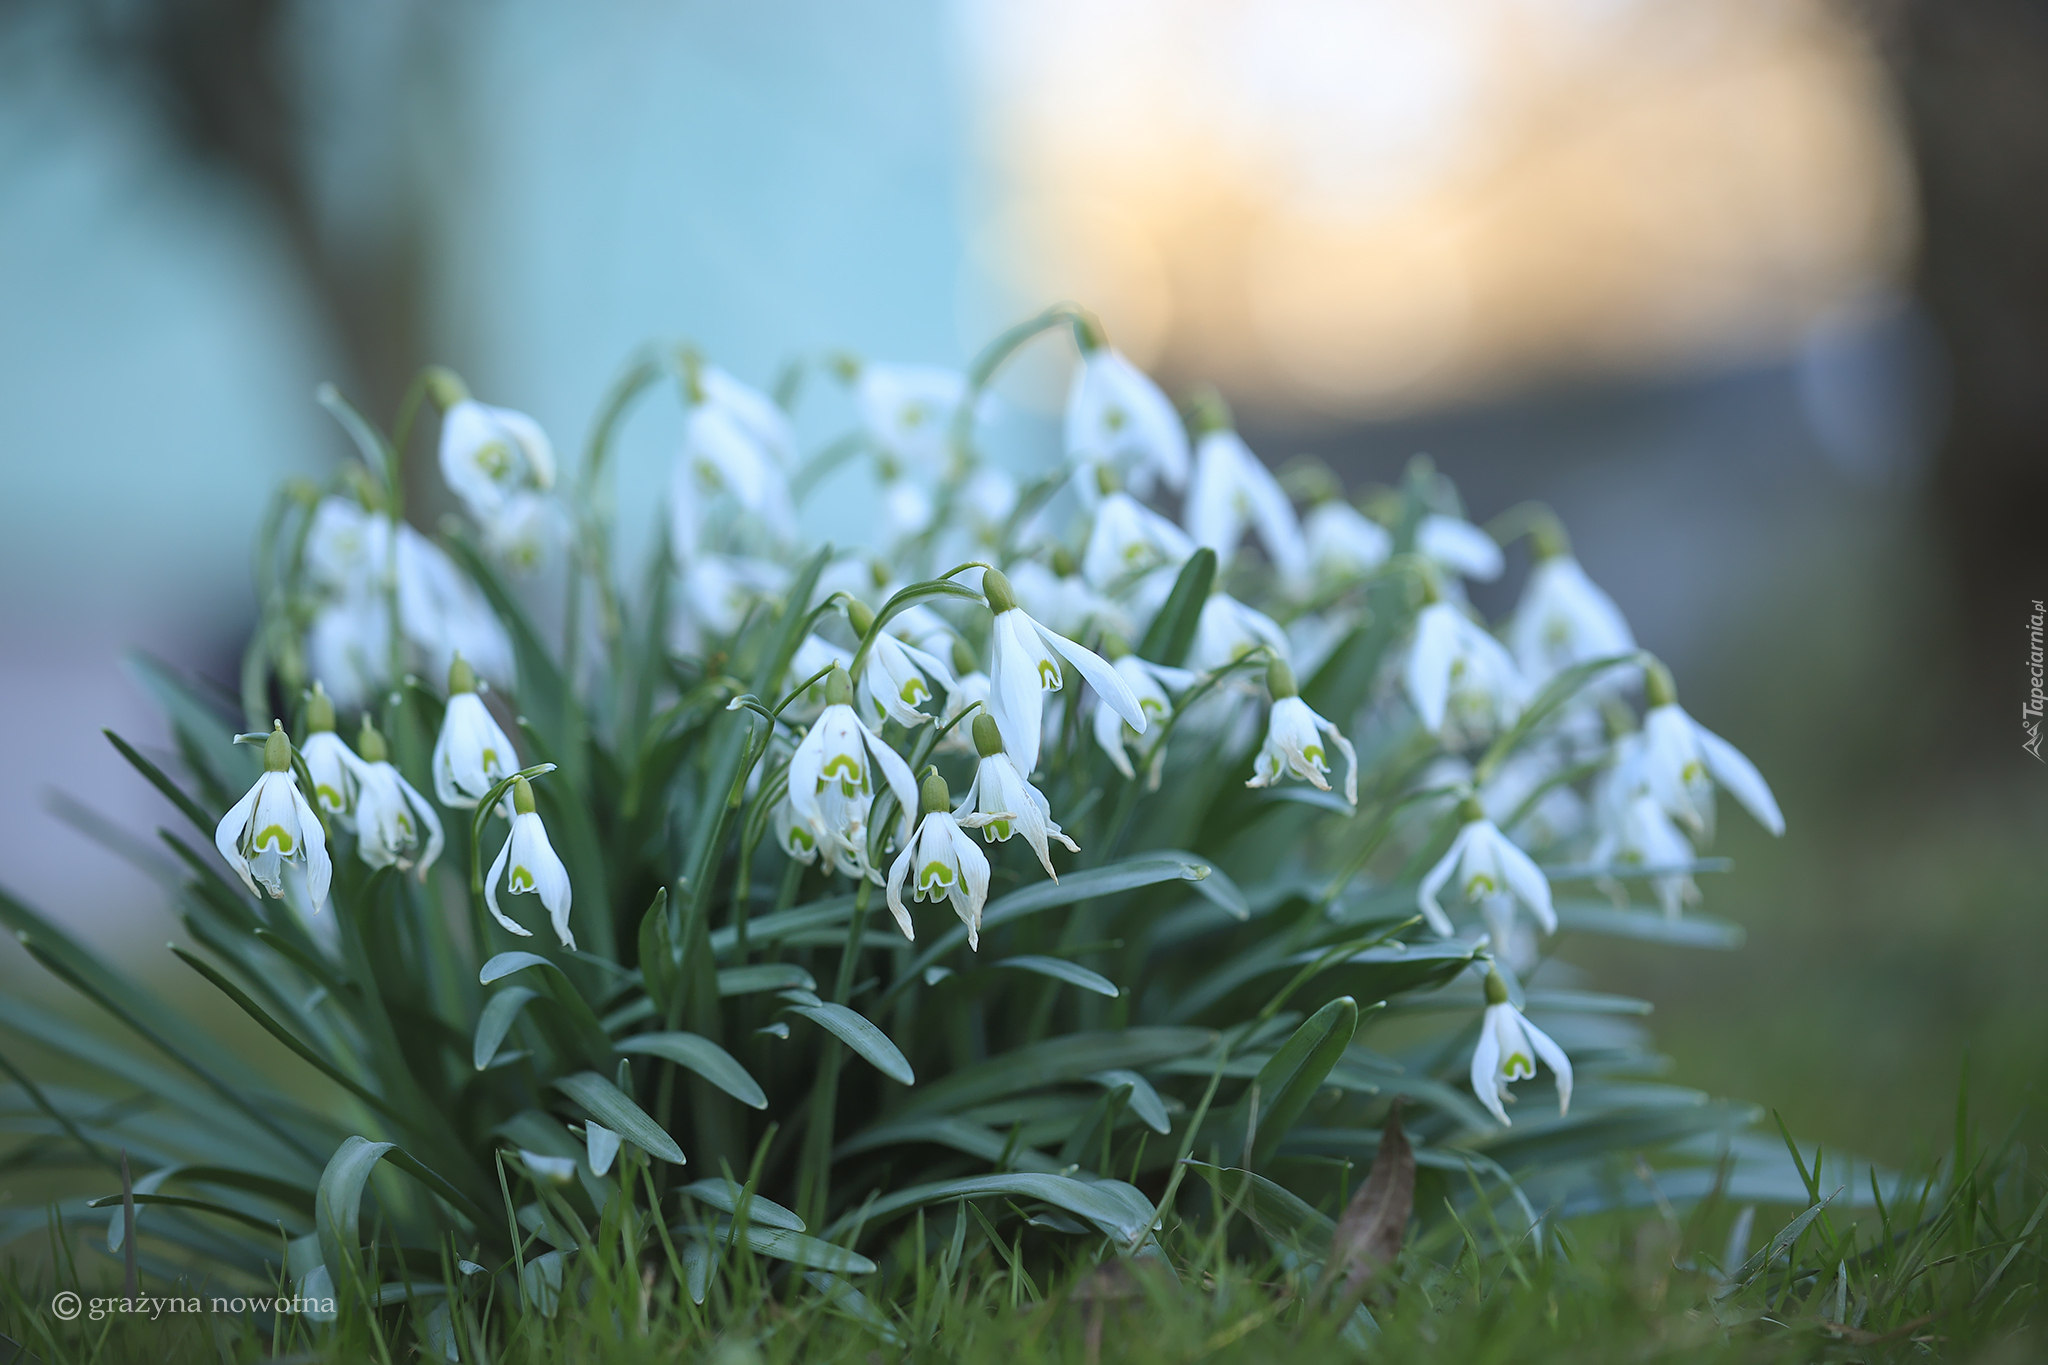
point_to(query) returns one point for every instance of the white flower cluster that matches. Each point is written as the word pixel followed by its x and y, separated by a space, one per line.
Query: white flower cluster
pixel 1015 591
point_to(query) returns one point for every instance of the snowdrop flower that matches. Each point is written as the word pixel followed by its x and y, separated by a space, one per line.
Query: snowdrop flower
pixel 942 864
pixel 328 761
pixel 1294 739
pixel 530 868
pixel 1344 543
pixel 444 614
pixel 1642 835
pixel 1459 546
pixel 1227 630
pixel 489 454
pixel 1025 663
pixel 1485 863
pixel 348 550
pixel 1119 418
pixel 389 813
pixel 1148 683
pixel 753 413
pixel 1563 619
pixel 472 754
pixel 721 459
pixel 892 679
pixel 1682 762
pixel 349 646
pixel 272 825
pixel 1130 539
pixel 908 410
pixel 1559 813
pixel 1233 489
pixel 1004 803
pixel 831 785
pixel 1509 1047
pixel 526 531
pixel 1457 673
pixel 716 594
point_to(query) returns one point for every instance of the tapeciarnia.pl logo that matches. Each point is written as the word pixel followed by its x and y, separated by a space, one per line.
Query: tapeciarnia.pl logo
pixel 2030 710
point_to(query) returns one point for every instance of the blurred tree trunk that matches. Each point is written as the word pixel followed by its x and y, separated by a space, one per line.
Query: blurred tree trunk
pixel 1973 79
pixel 234 94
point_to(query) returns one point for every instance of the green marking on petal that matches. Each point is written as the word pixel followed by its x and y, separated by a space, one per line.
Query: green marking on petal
pixel 1479 885
pixel 329 797
pixel 1048 675
pixel 275 834
pixel 1518 1067
pixel 494 458
pixel 933 874
pixel 914 691
pixel 1314 754
pixel 521 878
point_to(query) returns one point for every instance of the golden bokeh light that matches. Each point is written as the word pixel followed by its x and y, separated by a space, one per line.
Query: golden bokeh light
pixel 1371 206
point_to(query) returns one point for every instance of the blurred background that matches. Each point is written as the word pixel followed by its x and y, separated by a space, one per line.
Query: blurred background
pixel 1750 290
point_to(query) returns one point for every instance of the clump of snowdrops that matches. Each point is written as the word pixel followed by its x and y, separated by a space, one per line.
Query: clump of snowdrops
pixel 1074 860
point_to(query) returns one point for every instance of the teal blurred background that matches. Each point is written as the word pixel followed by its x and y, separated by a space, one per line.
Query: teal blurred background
pixel 1748 291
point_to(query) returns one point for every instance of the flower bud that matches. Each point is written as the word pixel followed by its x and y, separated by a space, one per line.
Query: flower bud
pixel 934 796
pixel 860 616
pixel 996 588
pixel 1280 679
pixel 988 737
pixel 277 750
pixel 1658 687
pixel 319 711
pixel 838 687
pixel 963 658
pixel 370 744
pixel 1496 988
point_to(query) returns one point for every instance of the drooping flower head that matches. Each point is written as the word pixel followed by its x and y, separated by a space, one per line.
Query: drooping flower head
pixel 1026 661
pixel 328 761
pixel 1233 490
pixel 1682 762
pixel 1148 683
pixel 1483 864
pixel 896 677
pixel 941 863
pixel 472 754
pixel 1508 1050
pixel 530 867
pixel 1563 619
pixel 489 455
pixel 390 815
pixel 1128 541
pixel 273 825
pixel 908 410
pixel 1459 547
pixel 832 780
pixel 1119 418
pixel 1344 543
pixel 1461 681
pixel 1003 801
pixel 1294 739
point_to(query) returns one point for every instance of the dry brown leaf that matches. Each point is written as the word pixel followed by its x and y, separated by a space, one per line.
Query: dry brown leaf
pixel 1368 1236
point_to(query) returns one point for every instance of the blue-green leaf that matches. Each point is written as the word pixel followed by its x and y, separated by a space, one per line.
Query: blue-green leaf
pixel 862 1036
pixel 702 1056
pixel 1059 969
pixel 613 1108
pixel 499 1015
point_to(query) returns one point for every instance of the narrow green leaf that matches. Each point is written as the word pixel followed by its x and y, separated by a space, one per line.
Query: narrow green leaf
pixel 613 1108
pixel 496 1021
pixel 338 1207
pixel 784 1244
pixel 727 1197
pixel 1059 969
pixel 178 1201
pixel 860 1035
pixel 1290 1079
pixel 764 976
pixel 1116 1208
pixel 1145 1101
pixel 1055 1061
pixel 170 789
pixel 1172 631
pixel 702 1056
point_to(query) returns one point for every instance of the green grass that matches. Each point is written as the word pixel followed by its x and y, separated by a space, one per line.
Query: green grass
pixel 1949 1266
